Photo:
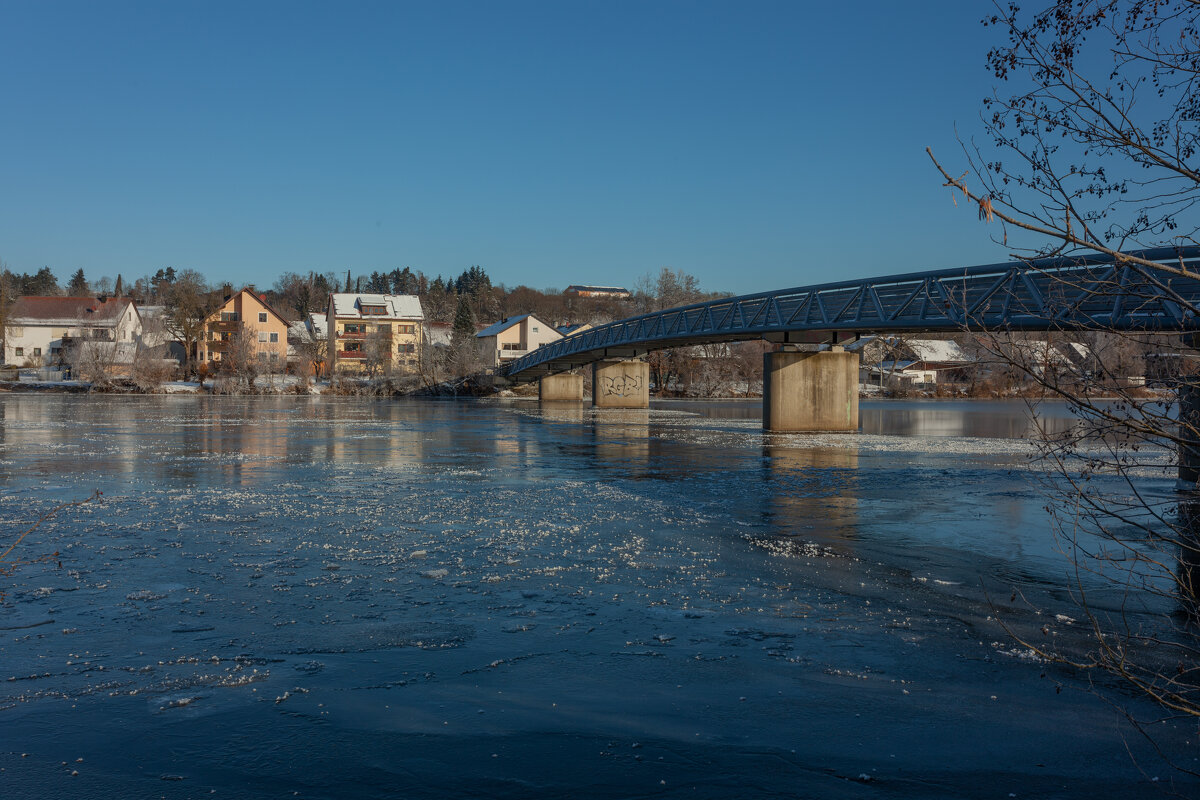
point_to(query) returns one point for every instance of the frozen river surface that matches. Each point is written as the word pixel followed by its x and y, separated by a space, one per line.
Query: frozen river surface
pixel 299 597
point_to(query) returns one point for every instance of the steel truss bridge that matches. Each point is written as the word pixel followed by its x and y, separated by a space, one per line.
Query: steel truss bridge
pixel 1069 293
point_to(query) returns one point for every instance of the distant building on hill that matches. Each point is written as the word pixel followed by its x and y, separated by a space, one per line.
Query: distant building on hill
pixel 615 292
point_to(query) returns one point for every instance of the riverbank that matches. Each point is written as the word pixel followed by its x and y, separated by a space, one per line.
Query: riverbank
pixel 409 387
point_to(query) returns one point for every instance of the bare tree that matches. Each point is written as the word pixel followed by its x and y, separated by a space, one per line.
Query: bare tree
pixel 240 361
pixel 1093 143
pixel 189 302
pixel 150 369
pixel 377 347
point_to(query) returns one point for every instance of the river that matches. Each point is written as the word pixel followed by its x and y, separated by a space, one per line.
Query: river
pixel 338 597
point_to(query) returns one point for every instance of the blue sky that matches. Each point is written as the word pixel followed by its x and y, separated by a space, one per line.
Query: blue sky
pixel 756 145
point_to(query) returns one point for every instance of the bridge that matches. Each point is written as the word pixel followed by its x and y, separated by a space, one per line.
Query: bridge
pixel 818 389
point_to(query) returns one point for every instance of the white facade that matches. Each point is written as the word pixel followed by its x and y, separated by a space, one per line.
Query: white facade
pixel 41 328
pixel 513 337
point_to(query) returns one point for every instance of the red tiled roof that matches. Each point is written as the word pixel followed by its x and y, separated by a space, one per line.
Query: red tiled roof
pixel 58 308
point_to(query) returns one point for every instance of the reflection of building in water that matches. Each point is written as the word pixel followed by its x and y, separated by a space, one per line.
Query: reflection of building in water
pixel 622 436
pixel 246 448
pixel 814 492
pixel 51 425
pixel 975 418
pixel 393 434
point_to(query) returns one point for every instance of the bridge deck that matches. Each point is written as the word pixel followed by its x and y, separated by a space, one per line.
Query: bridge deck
pixel 1078 293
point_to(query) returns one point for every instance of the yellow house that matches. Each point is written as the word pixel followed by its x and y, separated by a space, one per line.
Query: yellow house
pixel 374 332
pixel 244 327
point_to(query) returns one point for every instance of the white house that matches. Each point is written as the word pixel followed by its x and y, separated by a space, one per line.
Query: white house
pixel 41 329
pixel 512 338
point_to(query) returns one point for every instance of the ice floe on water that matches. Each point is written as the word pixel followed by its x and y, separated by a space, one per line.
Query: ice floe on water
pixel 298 569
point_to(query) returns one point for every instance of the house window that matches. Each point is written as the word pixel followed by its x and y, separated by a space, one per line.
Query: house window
pixel 354 327
pixel 37 351
pixel 229 316
pixel 406 348
pixel 406 328
pixel 262 316
pixel 353 347
pixel 262 336
pixel 275 337
pixel 384 327
pixel 20 352
pixel 535 328
pixel 377 311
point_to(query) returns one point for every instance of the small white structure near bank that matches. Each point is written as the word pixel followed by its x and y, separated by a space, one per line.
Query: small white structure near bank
pixel 513 337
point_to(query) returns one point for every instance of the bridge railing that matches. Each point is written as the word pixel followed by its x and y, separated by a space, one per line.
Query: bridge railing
pixel 1070 293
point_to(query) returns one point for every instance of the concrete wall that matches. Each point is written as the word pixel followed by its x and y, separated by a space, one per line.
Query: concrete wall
pixel 562 388
pixel 810 391
pixel 621 384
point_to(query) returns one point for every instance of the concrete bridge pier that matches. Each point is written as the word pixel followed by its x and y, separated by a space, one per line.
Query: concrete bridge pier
pixel 565 387
pixel 621 384
pixel 810 391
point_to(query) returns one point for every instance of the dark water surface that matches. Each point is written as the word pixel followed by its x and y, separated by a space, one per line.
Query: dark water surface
pixel 307 597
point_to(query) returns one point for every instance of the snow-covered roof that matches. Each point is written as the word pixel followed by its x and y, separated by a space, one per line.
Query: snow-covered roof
pixel 1082 351
pixel 42 311
pixel 936 350
pixel 1046 353
pixel 317 325
pixel 501 326
pixel 299 331
pixel 397 306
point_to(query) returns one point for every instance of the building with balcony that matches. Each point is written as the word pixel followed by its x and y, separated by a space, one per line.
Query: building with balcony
pixel 244 327
pixel 42 330
pixel 374 333
pixel 512 338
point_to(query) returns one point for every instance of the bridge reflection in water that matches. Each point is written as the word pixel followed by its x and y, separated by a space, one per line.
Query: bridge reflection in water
pixel 815 502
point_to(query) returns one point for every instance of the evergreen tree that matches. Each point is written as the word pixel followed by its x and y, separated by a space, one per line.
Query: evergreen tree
pixel 464 320
pixel 321 290
pixel 42 284
pixel 349 285
pixel 408 282
pixel 379 283
pixel 462 338
pixel 78 286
